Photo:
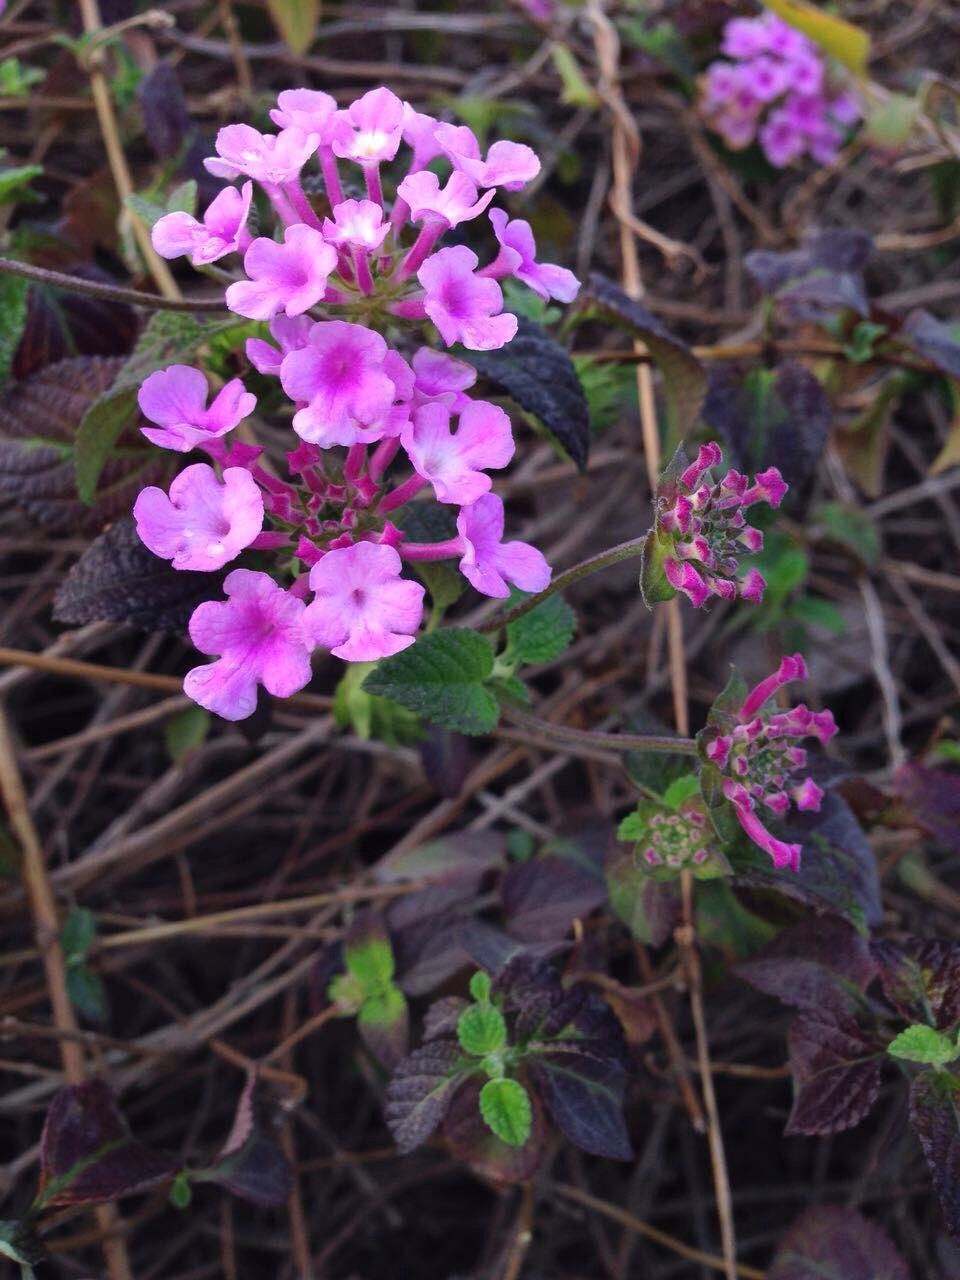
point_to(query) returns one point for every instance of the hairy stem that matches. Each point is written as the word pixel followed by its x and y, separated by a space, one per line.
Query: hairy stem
pixel 111 292
pixel 589 738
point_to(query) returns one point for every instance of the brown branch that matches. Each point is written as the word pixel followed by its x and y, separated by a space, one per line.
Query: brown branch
pixel 110 292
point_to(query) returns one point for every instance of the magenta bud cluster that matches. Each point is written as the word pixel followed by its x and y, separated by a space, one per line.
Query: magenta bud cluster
pixel 773 86
pixel 759 760
pixel 676 839
pixel 353 291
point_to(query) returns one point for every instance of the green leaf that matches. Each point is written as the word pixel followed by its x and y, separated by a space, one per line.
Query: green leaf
pixel 13 315
pixel 481 1030
pixel 383 1010
pixel 184 730
pixel 891 123
pixel 505 1107
pixel 13 182
pixel 921 1043
pixel 445 585
pixel 370 716
pixel 370 961
pixel 542 634
pixel 297 22
pixel 851 527
pixel 86 991
pixel 441 677
pixel 180 1193
pixel 77 935
pixel 842 40
pixel 577 91
pixel 681 789
pixel 480 986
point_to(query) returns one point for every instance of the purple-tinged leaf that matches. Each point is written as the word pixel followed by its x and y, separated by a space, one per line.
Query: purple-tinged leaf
pixel 58 325
pixel 430 952
pixel 921 978
pixel 836 1073
pixel 384 1024
pixel 442 1017
pixel 935 1117
pixel 820 963
pixel 446 760
pixel 541 898
pixel 166 120
pixel 935 341
pixel 87 1153
pixel 584 1094
pixel 468 853
pixel 488 1156
pixel 118 580
pixel 933 798
pixel 828 1242
pixel 421 1089
pixel 650 909
pixel 835 249
pixel 820 295
pixel 251 1164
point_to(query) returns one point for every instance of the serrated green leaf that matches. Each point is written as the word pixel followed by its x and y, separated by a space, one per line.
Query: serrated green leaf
pixel 384 1009
pixel 370 960
pixel 632 826
pixel 346 992
pixel 13 315
pixel 184 730
pixel 542 634
pixel 77 935
pixel 681 789
pixel 441 677
pixel 481 1029
pixel 480 986
pixel 368 715
pixel 505 1107
pixel 654 586
pixel 445 585
pixel 921 1043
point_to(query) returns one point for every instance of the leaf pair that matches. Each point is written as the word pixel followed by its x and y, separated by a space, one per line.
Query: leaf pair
pixel 368 991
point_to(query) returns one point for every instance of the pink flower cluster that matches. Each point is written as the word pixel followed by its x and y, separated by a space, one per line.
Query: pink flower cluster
pixel 701 525
pixel 757 755
pixel 341 273
pixel 776 89
pixel 677 838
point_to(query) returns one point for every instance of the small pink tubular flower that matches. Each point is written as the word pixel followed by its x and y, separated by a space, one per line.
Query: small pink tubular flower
pixel 370 129
pixel 453 462
pixel 781 140
pixel 755 750
pixel 441 377
pixel 701 532
pixel 175 399
pixel 358 223
pixel 451 204
pixel 258 638
pixel 308 110
pixel 203 523
pixel 290 277
pixel 420 134
pixel 518 257
pixel 223 229
pixel 290 332
pixel 507 164
pixel 340 378
pixel 488 562
pixel 270 158
pixel 363 610
pixel 465 307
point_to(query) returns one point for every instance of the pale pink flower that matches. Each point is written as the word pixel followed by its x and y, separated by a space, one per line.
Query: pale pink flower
pixel 358 223
pixel 270 158
pixel 369 131
pixel 204 522
pixel 223 229
pixel 507 164
pixel 442 377
pixel 454 462
pixel 258 638
pixel 419 133
pixel 744 38
pixel 488 562
pixel 175 399
pixel 518 257
pixel 308 110
pixel 451 204
pixel 290 332
pixel 465 307
pixel 363 610
pixel 290 277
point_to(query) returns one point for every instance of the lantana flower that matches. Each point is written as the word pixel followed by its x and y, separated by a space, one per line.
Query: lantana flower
pixel 518 257
pixel 272 159
pixel 507 164
pixel 175 399
pixel 700 531
pixel 289 277
pixel 464 306
pixel 455 202
pixel 203 522
pixel 754 750
pixel 222 230
pixel 362 610
pixel 491 564
pixel 258 638
pixel 454 462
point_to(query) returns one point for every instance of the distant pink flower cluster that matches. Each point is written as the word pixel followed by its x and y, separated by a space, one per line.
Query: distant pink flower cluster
pixel 343 270
pixel 757 755
pixel 776 89
pixel 701 525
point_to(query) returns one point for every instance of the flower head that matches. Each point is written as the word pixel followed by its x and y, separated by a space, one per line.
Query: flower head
pixel 700 531
pixel 518 257
pixel 465 307
pixel 270 158
pixel 258 638
pixel 488 562
pixel 670 839
pixel 203 523
pixel 363 610
pixel 290 277
pixel 753 748
pixel 223 229
pixel 175 399
pixel 453 462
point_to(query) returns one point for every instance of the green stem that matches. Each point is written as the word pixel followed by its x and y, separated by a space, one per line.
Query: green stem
pixel 623 551
pixel 608 741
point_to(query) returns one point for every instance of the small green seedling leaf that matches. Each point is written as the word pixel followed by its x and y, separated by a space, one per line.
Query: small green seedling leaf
pixel 180 1193
pixel 921 1043
pixel 186 730
pixel 481 1030
pixel 505 1107
pixel 77 935
pixel 480 986
pixel 370 961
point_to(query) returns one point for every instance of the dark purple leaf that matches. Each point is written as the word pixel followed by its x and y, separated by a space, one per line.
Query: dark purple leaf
pixel 539 374
pixel 584 1094
pixel 421 1089
pixel 429 953
pixel 542 897
pixel 769 417
pixel 935 341
pixel 59 324
pixel 649 908
pixel 490 1157
pixel 684 377
pixel 933 798
pixel 446 760
pixel 921 978
pixel 384 1025
pixel 469 853
pixel 822 294
pixel 442 1017
pixel 819 963
pixel 166 119
pixel 87 1153
pixel 935 1117
pixel 490 948
pixel 38 421
pixel 251 1164
pixel 118 580
pixel 828 1242
pixel 836 249
pixel 836 1073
